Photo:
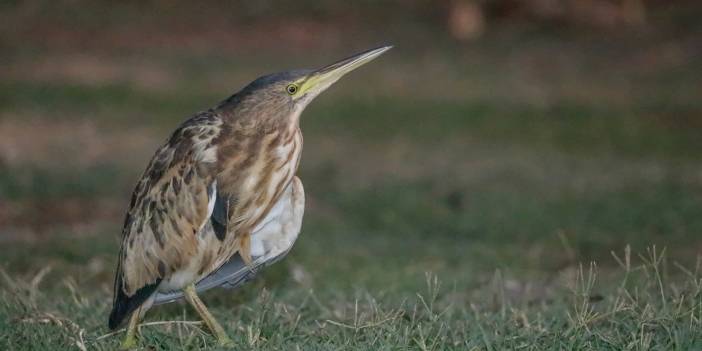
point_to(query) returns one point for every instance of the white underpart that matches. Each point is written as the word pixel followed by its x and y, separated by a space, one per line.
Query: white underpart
pixel 281 226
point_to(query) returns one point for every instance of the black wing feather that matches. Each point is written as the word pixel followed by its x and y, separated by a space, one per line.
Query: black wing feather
pixel 124 305
pixel 220 216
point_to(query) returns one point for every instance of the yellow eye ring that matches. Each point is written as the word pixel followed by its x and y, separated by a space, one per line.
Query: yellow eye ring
pixel 291 89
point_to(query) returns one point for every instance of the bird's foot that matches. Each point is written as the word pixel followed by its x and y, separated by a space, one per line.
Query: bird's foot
pixel 225 341
pixel 128 343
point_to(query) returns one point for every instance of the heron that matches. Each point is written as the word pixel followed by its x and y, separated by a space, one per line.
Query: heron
pixel 220 199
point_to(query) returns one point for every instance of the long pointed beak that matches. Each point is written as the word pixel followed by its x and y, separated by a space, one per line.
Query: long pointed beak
pixel 338 69
pixel 324 77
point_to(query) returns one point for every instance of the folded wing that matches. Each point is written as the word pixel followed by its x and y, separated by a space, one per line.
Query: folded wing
pixel 170 205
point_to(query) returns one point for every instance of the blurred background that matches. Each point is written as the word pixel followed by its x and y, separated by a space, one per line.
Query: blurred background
pixel 526 136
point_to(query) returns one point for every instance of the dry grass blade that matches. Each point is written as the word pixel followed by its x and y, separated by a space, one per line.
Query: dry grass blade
pixel 80 341
pixel 149 324
pixel 393 316
pixel 34 283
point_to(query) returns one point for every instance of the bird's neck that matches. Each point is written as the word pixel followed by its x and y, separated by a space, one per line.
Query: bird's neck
pixel 251 119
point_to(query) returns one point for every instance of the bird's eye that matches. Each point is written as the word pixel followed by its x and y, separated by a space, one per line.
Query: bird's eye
pixel 291 89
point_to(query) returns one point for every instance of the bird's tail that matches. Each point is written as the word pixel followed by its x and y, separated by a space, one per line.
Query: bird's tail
pixel 123 305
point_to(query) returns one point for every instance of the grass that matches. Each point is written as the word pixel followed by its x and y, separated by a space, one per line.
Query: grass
pixel 528 191
pixel 652 304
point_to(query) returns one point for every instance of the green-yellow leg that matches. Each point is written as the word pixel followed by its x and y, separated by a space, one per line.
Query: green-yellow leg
pixel 215 327
pixel 129 341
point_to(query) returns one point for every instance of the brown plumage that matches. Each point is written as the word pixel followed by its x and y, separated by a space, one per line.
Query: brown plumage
pixel 221 191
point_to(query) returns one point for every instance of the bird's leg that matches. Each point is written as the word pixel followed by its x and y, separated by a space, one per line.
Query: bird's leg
pixel 212 324
pixel 245 249
pixel 129 341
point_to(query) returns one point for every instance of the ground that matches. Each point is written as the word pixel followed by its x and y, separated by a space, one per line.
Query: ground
pixel 526 191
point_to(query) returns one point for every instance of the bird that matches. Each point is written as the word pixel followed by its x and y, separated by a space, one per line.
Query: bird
pixel 220 199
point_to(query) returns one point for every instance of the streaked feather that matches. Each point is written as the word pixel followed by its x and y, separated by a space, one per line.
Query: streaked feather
pixel 200 199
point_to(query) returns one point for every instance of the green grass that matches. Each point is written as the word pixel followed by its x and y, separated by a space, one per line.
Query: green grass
pixel 648 303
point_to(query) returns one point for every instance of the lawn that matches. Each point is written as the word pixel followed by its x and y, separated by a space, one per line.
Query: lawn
pixel 527 192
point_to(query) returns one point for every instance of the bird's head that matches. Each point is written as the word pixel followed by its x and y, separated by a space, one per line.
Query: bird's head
pixel 292 91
